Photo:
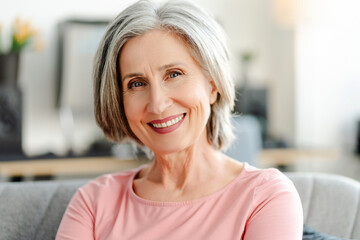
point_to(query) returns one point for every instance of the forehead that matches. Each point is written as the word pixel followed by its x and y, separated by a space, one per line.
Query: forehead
pixel 156 47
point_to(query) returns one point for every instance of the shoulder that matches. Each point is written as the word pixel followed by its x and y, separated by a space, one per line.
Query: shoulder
pixel 268 183
pixel 275 206
pixel 266 177
pixel 105 187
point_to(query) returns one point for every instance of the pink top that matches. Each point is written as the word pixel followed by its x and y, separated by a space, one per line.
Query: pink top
pixel 258 204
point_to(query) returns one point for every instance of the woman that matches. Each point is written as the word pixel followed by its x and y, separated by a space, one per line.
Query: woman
pixel 162 80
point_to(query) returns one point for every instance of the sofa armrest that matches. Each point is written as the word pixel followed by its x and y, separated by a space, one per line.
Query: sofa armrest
pixel 330 202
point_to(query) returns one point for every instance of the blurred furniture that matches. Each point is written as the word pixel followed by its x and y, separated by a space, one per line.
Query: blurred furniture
pixel 54 168
pixel 285 158
pixel 33 210
pixel 78 40
pixel 247 143
pixel 253 101
pixel 331 203
pixel 246 147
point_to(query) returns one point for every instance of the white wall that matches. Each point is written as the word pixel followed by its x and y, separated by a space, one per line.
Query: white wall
pixel 249 24
pixel 328 73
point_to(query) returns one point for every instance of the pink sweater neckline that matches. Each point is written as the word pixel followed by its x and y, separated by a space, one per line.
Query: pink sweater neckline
pixel 208 197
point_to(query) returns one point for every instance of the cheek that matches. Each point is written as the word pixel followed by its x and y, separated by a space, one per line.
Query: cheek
pixel 132 108
pixel 196 94
pixel 197 99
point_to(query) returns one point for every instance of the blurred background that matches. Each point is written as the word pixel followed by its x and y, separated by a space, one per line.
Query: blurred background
pixel 295 64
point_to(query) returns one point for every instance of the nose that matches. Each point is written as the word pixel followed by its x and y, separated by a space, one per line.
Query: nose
pixel 159 99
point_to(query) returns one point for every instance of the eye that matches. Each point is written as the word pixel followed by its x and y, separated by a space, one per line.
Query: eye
pixel 174 74
pixel 135 84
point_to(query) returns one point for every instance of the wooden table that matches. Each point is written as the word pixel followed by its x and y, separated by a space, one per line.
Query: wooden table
pixel 287 157
pixel 50 168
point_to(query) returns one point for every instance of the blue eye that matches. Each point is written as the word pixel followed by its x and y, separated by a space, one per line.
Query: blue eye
pixel 135 84
pixel 174 74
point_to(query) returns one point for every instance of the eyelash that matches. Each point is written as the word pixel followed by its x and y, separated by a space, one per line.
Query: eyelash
pixel 179 73
pixel 132 83
pixel 135 81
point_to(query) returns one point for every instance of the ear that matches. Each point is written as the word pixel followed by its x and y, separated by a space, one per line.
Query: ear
pixel 213 92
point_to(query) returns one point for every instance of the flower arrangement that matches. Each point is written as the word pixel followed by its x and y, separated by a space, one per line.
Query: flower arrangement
pixel 22 33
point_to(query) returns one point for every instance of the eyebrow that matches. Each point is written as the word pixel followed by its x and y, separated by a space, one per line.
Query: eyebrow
pixel 162 68
pixel 170 65
pixel 130 75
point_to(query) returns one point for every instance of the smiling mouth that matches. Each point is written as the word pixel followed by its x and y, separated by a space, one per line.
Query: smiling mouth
pixel 168 123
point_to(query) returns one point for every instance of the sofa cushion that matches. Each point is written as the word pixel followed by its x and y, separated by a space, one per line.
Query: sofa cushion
pixel 33 210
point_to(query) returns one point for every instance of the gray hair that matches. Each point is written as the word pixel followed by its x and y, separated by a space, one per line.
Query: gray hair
pixel 204 37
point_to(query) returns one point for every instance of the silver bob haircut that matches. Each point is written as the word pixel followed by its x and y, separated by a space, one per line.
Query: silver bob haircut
pixel 207 43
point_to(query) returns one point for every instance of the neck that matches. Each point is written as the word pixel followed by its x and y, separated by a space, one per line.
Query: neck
pixel 176 171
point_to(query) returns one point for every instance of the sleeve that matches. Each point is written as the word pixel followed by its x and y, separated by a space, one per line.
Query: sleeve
pixel 78 220
pixel 277 210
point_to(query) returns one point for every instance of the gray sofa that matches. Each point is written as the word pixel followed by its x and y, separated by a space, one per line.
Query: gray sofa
pixel 331 203
pixel 33 210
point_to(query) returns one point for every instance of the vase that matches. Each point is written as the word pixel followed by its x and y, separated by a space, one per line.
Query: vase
pixel 10 107
pixel 9 65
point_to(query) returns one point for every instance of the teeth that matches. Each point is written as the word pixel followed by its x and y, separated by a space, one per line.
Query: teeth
pixel 168 123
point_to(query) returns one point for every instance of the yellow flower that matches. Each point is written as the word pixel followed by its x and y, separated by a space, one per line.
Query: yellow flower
pixel 23 31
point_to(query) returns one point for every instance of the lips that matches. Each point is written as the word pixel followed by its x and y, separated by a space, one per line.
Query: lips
pixel 168 124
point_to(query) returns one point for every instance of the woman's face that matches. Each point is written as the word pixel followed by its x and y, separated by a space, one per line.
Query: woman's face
pixel 167 95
